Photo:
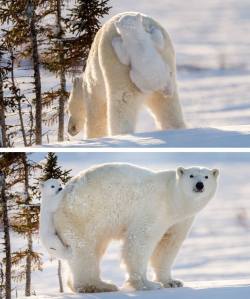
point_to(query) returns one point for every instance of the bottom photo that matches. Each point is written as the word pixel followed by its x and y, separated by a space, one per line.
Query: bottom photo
pixel 124 222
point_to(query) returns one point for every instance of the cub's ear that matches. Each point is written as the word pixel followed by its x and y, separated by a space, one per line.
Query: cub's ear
pixel 180 171
pixel 215 172
pixel 118 26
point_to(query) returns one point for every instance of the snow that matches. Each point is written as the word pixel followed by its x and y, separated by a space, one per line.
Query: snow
pixel 214 259
pixel 228 136
pixel 207 291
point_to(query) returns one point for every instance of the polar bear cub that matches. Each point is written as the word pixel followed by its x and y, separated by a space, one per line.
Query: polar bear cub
pixel 51 197
pixel 141 50
pixel 150 211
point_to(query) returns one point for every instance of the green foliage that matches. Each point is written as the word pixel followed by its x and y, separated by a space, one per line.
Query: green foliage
pixel 52 170
pixel 83 22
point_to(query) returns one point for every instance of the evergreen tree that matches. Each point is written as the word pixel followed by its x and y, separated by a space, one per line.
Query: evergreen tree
pixel 24 30
pixel 26 221
pixel 83 22
pixel 18 171
pixel 52 170
pixel 4 103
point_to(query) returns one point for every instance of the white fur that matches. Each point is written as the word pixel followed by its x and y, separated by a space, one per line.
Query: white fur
pixel 109 101
pixel 51 198
pixel 149 72
pixel 150 211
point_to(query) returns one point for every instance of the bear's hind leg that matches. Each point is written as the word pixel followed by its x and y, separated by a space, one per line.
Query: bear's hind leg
pixel 85 270
pixel 123 111
pixel 166 110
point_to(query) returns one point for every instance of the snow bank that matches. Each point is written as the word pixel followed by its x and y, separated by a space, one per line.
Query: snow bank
pixel 228 136
pixel 201 290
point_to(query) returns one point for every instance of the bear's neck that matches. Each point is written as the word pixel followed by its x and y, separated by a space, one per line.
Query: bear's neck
pixel 184 206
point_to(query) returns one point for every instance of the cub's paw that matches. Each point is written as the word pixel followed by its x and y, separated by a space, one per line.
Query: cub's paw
pixel 172 283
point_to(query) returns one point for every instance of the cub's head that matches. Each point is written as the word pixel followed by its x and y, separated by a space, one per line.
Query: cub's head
pixel 50 187
pixel 129 23
pixel 197 183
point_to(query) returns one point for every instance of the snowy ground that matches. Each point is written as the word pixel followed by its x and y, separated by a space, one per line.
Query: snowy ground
pixel 217 252
pixel 229 136
pixel 213 60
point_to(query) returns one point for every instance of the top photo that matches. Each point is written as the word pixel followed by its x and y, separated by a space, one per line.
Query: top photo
pixel 125 74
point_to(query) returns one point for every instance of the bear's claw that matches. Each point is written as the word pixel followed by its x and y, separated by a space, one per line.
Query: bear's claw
pixel 173 283
pixel 99 287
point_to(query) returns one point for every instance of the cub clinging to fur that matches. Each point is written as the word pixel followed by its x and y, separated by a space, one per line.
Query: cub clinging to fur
pixel 51 197
pixel 151 211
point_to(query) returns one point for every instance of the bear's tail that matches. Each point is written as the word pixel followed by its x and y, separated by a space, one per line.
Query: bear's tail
pixel 76 107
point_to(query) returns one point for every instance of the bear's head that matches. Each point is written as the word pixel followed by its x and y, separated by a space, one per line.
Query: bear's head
pixel 197 183
pixel 50 187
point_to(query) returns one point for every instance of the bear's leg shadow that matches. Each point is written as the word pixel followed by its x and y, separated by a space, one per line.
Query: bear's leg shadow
pixel 137 249
pixel 166 251
pixel 85 269
pixel 166 110
pixel 96 119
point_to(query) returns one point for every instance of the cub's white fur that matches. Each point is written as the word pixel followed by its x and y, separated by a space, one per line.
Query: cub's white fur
pixel 138 48
pixel 107 101
pixel 150 211
pixel 51 198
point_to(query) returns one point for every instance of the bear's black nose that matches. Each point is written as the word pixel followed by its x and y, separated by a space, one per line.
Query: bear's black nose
pixel 199 186
pixel 60 189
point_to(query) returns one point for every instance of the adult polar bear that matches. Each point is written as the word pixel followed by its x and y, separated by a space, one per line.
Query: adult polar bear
pixel 110 100
pixel 150 211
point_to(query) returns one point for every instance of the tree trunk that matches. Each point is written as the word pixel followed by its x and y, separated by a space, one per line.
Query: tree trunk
pixel 6 239
pixel 37 77
pixel 61 75
pixel 29 235
pixel 28 266
pixel 3 138
pixel 17 97
pixel 59 272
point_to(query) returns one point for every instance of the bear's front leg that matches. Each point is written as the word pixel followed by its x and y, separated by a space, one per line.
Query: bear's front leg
pixel 137 250
pixel 166 251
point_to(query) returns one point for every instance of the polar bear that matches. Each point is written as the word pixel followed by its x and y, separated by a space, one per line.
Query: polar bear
pixel 150 211
pixel 111 98
pixel 51 197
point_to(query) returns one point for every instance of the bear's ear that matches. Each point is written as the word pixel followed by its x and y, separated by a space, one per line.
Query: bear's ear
pixel 215 172
pixel 180 171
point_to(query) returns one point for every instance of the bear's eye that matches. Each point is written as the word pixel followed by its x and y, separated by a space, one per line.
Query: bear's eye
pixel 52 186
pixel 191 176
pixel 206 177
